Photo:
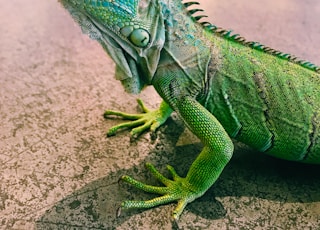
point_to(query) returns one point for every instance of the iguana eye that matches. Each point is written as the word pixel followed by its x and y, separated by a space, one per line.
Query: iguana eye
pixel 140 37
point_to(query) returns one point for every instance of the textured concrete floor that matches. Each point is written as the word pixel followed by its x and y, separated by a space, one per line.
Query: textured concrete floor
pixel 58 171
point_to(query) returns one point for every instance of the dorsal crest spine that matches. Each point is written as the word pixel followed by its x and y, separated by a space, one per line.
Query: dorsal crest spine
pixel 227 34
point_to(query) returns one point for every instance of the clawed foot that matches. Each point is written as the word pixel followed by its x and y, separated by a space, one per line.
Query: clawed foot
pixel 178 189
pixel 149 119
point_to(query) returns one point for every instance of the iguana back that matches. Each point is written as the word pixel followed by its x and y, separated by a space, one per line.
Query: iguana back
pixel 267 102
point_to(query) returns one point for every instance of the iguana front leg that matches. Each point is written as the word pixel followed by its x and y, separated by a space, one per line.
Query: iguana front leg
pixel 203 172
pixel 140 122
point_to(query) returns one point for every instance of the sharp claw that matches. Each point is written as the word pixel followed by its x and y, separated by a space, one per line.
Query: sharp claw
pixel 110 134
pixel 135 133
pixel 175 223
pixel 133 138
pixel 120 179
pixel 118 212
pixel 153 136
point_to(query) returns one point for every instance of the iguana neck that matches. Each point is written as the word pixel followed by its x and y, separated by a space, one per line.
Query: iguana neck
pixel 186 45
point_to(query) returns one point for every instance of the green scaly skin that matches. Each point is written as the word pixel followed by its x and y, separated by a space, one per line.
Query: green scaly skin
pixel 221 86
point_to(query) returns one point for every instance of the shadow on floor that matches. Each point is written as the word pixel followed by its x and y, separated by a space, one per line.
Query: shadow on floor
pixel 248 174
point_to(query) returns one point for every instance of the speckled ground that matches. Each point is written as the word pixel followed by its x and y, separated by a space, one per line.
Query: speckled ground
pixel 58 171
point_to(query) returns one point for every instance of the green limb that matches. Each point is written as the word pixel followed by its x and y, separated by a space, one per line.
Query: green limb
pixel 175 189
pixel 149 119
pixel 218 148
pixel 154 189
pixel 203 172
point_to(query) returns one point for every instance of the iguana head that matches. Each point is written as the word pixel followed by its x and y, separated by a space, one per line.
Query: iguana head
pixel 131 31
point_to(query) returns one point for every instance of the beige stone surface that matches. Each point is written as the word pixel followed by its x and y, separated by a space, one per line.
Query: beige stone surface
pixel 59 171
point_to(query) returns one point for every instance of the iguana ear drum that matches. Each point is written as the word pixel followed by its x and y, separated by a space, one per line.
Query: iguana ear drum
pixel 138 37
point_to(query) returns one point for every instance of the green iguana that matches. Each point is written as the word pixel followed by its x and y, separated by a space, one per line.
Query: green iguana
pixel 221 85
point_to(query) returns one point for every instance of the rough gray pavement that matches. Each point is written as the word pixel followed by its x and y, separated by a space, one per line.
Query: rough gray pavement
pixel 59 171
